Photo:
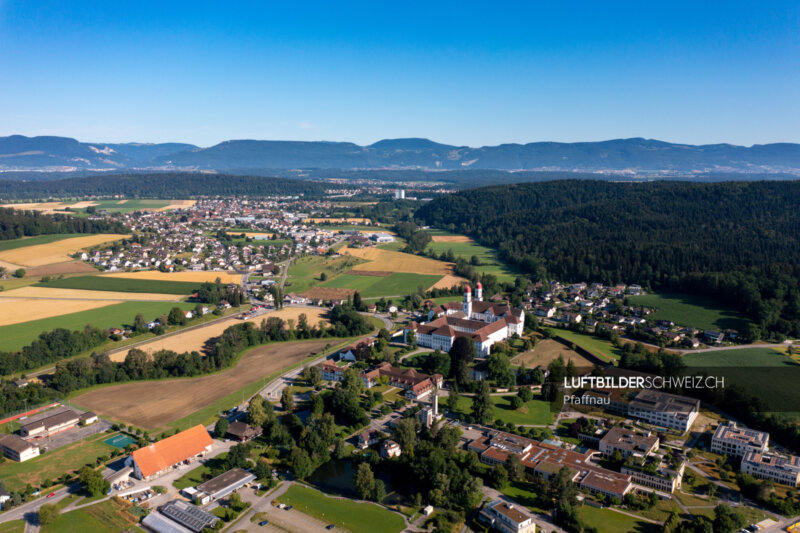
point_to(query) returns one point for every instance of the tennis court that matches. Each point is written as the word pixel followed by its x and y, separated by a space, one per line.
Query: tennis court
pixel 119 441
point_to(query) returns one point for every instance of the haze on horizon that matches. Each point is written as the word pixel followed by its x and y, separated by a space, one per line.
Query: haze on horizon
pixel 457 73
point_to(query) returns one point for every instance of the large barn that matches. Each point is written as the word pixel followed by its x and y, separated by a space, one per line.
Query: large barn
pixel 154 460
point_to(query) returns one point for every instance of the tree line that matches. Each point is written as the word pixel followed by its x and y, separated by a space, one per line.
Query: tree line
pixel 15 224
pixel 736 242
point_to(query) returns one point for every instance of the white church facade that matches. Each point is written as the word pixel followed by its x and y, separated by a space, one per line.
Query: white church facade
pixel 484 322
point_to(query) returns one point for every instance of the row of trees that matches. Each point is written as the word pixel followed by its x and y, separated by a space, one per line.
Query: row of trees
pixel 15 224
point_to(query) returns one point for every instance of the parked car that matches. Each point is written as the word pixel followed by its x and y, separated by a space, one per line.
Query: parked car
pixel 329 526
pixel 263 523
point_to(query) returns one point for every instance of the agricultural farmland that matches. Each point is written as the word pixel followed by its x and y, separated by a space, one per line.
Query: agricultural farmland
pixel 56 251
pixel 154 404
pixel 305 272
pixel 396 284
pixel 690 310
pixel 112 314
pixel 190 277
pixel 39 239
pixel 51 293
pixel 18 310
pixel 378 259
pixel 118 284
pixel 196 339
pixel 547 350
pixel 463 246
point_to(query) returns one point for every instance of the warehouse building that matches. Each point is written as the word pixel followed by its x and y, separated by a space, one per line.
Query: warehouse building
pixel 223 484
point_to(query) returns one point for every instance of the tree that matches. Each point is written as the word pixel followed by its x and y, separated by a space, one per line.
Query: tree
pixel 380 491
pixel 93 482
pixel 364 481
pixel 482 404
pixel 139 324
pixel 498 477
pixel 176 316
pixel 235 501
pixel 461 355
pixel 323 277
pixel 301 463
pixel 726 520
pixel 452 399
pixel 525 394
pixel 47 514
pixel 312 375
pixel 262 470
pixel 411 339
pixel 405 434
pixel 221 428
pixel 256 413
pixel 357 303
pixel 514 466
pixel 516 402
pixel 287 399
pixel 500 370
pixel 19 273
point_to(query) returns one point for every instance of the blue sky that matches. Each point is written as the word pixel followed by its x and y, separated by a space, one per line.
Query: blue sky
pixel 465 73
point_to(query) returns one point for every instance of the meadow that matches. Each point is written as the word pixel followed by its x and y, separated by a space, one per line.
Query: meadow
pixel 108 515
pixel 490 264
pixel 766 373
pixel 532 413
pixel 15 336
pixel 52 464
pixel 398 284
pixel 57 251
pixel 305 272
pixel 115 284
pixel 691 310
pixel 600 348
pixel 345 513
pixel 129 206
pixel 33 241
pixel 610 521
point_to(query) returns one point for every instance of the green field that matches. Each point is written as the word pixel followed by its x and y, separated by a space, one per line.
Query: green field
pixel 51 465
pixel 600 348
pixel 107 283
pixel 114 206
pixel 15 336
pixel 690 310
pixel 40 239
pixel 14 526
pixel 195 476
pixel 766 373
pixel 345 513
pixel 101 517
pixel 532 413
pixel 304 273
pixel 609 521
pixel 398 284
pixel 490 264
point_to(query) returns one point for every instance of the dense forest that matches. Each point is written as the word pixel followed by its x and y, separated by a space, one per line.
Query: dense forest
pixel 16 224
pixel 737 242
pixel 166 185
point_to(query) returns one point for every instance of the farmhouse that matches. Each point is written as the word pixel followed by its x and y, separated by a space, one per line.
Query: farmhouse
pixel 17 449
pixel 242 432
pixel 485 323
pixel 416 384
pixel 730 439
pixel 156 459
pixel 368 438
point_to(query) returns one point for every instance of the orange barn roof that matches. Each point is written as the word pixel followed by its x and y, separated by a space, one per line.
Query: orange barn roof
pixel 172 450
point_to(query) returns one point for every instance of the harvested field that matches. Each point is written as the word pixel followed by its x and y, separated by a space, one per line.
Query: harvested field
pixel 197 339
pixel 451 238
pixel 197 277
pixel 448 281
pixel 548 350
pixel 43 207
pixel 10 267
pixel 252 234
pixel 174 204
pixel 378 273
pixel 328 293
pixel 83 205
pixel 55 252
pixel 155 404
pixel 17 310
pixel 78 294
pixel 339 220
pixel 379 259
pixel 54 269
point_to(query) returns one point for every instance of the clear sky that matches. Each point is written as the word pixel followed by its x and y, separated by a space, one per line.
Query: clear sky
pixel 463 73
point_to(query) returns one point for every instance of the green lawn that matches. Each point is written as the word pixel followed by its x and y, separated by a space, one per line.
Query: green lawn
pixel 305 272
pixel 398 284
pixel 106 516
pixel 600 348
pixel 39 239
pixel 609 521
pixel 522 494
pixel 194 477
pixel 345 513
pixel 15 336
pixel 765 372
pixel 490 264
pixel 52 465
pixel 14 526
pixel 107 283
pixel 534 412
pixel 691 310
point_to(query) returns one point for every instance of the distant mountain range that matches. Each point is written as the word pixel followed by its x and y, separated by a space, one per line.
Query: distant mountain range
pixel 634 156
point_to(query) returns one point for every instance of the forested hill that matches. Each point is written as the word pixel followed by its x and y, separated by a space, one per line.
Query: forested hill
pixel 738 242
pixel 160 185
pixel 15 224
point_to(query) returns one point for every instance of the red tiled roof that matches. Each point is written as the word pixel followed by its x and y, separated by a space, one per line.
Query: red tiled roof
pixel 172 450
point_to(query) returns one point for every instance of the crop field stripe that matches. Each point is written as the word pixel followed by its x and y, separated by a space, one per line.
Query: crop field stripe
pixel 15 336
pixel 397 284
pixel 33 241
pixel 106 283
